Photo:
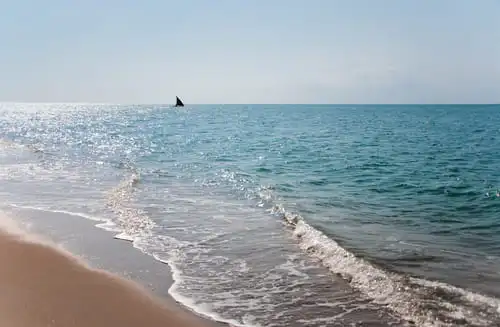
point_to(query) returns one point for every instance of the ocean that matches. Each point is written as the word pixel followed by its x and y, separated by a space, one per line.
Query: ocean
pixel 282 215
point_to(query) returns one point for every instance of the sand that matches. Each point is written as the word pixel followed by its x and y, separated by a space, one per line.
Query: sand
pixel 42 285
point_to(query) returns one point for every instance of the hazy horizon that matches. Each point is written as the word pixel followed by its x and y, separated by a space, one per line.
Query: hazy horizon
pixel 245 104
pixel 281 52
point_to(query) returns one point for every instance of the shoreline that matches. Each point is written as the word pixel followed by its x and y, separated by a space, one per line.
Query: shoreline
pixel 48 250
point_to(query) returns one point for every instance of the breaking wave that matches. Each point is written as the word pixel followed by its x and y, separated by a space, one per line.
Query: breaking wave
pixel 419 301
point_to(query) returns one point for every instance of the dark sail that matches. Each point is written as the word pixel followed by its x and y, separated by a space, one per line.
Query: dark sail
pixel 179 102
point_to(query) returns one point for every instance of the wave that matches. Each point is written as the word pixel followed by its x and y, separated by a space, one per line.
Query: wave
pixel 419 301
pixel 132 222
pixel 136 227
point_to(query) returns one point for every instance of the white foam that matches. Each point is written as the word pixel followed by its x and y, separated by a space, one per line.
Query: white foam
pixel 200 308
pixel 109 226
pixel 143 241
pixel 70 213
pixel 124 237
pixel 383 287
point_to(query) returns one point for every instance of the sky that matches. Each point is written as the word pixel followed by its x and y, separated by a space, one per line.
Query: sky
pixel 250 51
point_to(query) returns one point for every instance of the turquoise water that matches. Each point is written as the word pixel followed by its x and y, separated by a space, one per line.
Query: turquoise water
pixel 282 215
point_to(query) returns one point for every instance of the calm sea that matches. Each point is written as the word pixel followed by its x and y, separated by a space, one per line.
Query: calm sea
pixel 282 215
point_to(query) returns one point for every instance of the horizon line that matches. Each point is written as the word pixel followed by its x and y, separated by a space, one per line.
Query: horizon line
pixel 239 104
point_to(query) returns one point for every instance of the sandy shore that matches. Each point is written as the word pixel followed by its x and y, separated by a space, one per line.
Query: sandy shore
pixel 45 286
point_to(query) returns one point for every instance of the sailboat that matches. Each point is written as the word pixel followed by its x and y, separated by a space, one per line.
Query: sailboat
pixel 178 102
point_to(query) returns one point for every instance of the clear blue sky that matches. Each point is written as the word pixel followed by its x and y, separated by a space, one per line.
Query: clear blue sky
pixel 250 51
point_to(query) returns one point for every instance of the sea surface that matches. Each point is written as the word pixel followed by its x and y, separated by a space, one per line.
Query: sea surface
pixel 282 215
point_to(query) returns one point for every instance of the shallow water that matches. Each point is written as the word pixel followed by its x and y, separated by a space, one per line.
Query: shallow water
pixel 282 215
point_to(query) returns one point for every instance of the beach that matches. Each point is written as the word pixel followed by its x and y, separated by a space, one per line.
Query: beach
pixel 43 284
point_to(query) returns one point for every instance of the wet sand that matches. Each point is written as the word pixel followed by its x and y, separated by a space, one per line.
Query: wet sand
pixel 42 285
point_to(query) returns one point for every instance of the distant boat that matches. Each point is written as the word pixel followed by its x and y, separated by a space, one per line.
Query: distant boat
pixel 178 102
